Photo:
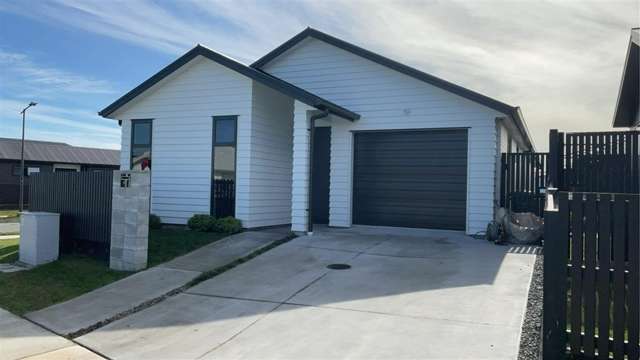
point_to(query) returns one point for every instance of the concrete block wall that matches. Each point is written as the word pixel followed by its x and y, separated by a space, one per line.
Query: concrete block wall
pixel 130 220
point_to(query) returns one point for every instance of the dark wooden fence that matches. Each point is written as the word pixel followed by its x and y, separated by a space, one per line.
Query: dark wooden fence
pixel 587 162
pixel 597 161
pixel 224 198
pixel 83 200
pixel 523 176
pixel 591 272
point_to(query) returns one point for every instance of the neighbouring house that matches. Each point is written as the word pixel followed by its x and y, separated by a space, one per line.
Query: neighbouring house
pixel 45 156
pixel 627 111
pixel 317 131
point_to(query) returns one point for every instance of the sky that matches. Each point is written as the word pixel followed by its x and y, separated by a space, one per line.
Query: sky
pixel 560 61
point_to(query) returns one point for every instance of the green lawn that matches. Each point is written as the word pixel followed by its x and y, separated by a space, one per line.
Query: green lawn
pixel 8 213
pixel 9 250
pixel 166 244
pixel 74 275
pixel 9 216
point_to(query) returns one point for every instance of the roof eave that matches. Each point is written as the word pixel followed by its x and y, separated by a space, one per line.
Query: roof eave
pixel 254 74
pixel 518 118
pixel 625 112
pixel 491 103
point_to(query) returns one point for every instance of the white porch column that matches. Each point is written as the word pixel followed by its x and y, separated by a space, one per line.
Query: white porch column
pixel 300 180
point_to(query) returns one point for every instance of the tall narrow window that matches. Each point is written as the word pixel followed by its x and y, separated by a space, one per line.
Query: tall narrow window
pixel 141 144
pixel 223 187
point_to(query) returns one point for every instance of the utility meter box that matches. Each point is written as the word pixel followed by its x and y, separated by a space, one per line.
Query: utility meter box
pixel 39 237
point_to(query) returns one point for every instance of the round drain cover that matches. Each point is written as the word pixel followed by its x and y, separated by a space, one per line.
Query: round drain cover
pixel 339 266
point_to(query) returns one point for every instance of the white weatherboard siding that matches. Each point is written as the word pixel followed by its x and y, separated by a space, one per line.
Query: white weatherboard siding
pixel 182 107
pixel 125 145
pixel 270 148
pixel 300 174
pixel 386 99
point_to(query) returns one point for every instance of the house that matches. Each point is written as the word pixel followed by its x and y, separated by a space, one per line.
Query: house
pixel 627 111
pixel 388 144
pixel 45 156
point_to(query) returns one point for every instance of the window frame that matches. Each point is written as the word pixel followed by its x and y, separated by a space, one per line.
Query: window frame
pixel 214 143
pixel 133 146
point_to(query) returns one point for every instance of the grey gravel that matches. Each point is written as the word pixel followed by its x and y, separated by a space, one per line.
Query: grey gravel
pixel 531 338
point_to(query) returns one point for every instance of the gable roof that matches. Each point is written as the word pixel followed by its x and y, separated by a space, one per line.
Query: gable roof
pixel 506 109
pixel 626 111
pixel 57 152
pixel 264 78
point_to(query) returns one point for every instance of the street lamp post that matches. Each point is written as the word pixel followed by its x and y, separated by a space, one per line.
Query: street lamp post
pixel 22 158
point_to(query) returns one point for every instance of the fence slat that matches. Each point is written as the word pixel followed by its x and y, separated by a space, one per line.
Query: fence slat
pixel 634 277
pixel 604 258
pixel 600 162
pixel 635 162
pixel 83 200
pixel 618 275
pixel 523 174
pixel 590 229
pixel 576 273
pixel 556 248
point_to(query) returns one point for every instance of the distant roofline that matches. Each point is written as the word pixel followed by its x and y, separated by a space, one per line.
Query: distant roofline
pixel 38 141
pixel 61 147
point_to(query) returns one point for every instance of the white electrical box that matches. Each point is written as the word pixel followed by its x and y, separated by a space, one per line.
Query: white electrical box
pixel 39 237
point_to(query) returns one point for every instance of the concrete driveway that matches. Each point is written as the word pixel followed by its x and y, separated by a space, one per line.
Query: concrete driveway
pixel 408 294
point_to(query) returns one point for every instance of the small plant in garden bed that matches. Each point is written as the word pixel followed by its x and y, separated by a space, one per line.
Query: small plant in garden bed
pixel 228 225
pixel 208 223
pixel 202 223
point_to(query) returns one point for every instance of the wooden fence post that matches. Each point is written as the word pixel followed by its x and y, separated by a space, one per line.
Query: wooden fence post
pixel 555 159
pixel 556 232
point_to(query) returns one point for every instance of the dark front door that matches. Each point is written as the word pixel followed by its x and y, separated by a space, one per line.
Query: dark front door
pixel 320 193
pixel 411 179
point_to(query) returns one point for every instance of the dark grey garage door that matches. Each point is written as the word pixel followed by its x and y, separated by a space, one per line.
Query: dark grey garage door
pixel 411 178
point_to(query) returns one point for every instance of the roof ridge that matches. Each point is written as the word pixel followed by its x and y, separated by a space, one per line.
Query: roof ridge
pixel 232 64
pixel 509 110
pixel 38 141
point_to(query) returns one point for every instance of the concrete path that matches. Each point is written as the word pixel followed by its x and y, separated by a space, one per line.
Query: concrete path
pixel 9 228
pixel 21 339
pixel 9 268
pixel 105 303
pixel 409 294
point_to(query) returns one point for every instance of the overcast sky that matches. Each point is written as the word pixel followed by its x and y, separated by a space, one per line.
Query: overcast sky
pixel 561 62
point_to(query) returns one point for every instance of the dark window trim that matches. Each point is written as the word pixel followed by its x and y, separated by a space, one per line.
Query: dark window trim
pixel 212 209
pixel 132 135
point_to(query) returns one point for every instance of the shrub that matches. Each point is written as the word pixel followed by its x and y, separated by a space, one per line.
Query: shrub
pixel 154 221
pixel 201 222
pixel 228 225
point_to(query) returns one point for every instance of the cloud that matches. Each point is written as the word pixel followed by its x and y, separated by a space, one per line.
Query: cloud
pixel 19 71
pixel 53 123
pixel 560 61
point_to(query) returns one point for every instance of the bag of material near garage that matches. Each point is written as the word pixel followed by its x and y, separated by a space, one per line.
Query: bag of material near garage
pixel 524 228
